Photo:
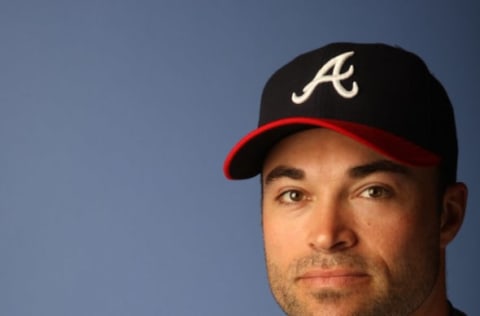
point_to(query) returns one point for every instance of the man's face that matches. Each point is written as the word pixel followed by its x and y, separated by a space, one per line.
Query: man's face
pixel 347 231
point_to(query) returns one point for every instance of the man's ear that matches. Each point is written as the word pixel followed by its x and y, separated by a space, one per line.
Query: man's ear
pixel 454 203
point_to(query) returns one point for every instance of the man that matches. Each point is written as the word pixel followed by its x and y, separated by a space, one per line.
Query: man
pixel 357 150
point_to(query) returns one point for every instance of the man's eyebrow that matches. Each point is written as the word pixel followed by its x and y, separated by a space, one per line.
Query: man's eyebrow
pixel 284 171
pixel 377 166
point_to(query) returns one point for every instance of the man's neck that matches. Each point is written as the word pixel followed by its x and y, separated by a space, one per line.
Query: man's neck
pixel 436 303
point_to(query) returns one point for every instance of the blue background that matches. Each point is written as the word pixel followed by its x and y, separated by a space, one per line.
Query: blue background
pixel 115 118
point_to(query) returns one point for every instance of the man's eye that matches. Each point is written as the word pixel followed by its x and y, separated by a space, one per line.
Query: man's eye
pixel 291 196
pixel 376 192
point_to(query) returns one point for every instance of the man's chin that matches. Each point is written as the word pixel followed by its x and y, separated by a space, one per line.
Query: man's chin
pixel 331 302
pixel 329 296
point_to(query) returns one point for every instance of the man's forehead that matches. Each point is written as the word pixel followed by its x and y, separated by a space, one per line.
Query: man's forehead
pixel 299 154
pixel 353 172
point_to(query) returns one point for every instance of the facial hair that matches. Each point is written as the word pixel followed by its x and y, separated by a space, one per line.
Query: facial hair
pixel 395 293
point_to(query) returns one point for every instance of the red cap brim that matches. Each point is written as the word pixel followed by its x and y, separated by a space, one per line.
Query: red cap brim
pixel 246 158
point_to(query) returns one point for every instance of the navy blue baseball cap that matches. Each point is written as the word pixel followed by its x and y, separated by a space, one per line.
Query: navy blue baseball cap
pixel 379 95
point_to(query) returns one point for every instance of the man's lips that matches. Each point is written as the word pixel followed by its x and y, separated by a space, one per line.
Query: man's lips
pixel 332 277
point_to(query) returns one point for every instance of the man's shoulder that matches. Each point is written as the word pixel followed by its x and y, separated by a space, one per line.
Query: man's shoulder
pixel 455 312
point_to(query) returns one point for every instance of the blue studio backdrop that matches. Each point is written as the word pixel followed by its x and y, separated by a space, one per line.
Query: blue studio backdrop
pixel 115 119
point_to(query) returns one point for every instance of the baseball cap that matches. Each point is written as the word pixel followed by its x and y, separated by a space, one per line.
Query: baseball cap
pixel 379 95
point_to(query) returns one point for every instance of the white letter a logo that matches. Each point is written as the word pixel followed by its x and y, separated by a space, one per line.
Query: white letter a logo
pixel 335 78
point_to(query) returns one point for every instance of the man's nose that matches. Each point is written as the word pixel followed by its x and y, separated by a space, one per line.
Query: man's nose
pixel 330 227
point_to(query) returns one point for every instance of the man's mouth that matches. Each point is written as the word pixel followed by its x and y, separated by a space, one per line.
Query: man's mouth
pixel 332 277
